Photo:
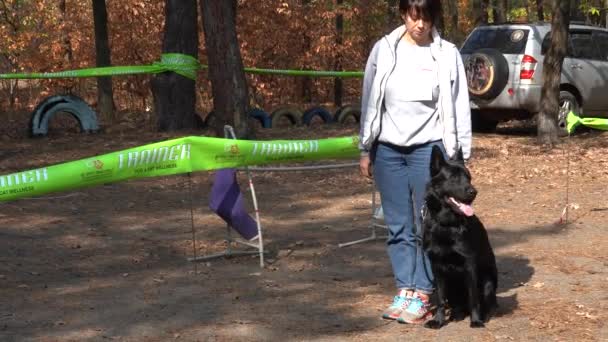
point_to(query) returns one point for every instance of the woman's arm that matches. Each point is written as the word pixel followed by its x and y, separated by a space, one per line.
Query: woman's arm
pixel 462 108
pixel 368 80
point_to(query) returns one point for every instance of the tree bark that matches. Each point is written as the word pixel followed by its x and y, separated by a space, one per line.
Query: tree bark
pixel 393 18
pixel 105 96
pixel 68 53
pixel 552 70
pixel 500 9
pixel 338 86
pixel 480 11
pixel 174 94
pixel 228 82
pixel 305 83
pixel 576 14
pixel 454 35
pixel 540 10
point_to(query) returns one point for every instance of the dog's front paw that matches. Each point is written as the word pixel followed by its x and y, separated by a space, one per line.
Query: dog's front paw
pixel 434 324
pixel 477 324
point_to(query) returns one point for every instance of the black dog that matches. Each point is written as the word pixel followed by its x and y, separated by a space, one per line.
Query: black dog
pixel 457 244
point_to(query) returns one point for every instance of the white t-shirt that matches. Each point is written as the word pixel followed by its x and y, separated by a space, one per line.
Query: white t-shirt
pixel 410 115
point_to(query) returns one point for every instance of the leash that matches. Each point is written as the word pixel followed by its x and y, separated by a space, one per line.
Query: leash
pixel 420 226
pixel 563 218
pixel 192 222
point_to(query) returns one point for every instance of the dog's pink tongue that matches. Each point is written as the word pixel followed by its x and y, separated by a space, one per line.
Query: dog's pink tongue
pixel 466 209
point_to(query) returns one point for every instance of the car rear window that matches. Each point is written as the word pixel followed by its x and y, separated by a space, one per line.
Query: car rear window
pixel 505 40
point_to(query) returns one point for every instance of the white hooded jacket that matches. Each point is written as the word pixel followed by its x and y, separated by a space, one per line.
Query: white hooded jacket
pixel 453 103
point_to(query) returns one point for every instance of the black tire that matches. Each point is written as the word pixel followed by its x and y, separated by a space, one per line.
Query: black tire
pixel 487 73
pixel 567 103
pixel 71 104
pixel 261 116
pixel 308 116
pixel 345 113
pixel 293 115
pixel 482 124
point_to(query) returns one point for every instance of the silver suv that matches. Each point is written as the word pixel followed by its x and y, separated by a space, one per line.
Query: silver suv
pixel 504 65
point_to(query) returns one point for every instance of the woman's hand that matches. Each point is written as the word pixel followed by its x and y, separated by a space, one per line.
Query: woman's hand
pixel 365 166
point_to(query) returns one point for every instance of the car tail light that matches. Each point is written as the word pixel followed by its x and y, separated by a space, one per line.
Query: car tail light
pixel 528 66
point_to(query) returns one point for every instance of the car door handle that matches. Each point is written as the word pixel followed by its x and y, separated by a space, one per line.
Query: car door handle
pixel 576 66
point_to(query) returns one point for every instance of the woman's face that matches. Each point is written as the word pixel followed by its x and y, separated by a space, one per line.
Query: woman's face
pixel 419 28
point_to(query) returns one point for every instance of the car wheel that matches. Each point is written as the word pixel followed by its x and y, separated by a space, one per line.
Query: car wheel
pixel 567 103
pixel 487 73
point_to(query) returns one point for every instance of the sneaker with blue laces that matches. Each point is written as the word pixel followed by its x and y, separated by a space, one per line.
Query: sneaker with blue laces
pixel 400 302
pixel 418 310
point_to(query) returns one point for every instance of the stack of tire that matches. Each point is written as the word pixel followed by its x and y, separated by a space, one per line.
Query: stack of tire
pixel 291 116
pixel 284 116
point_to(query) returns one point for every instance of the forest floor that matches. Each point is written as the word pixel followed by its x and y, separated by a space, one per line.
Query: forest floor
pixel 109 263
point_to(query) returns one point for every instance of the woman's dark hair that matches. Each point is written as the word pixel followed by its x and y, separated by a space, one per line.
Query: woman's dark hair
pixel 429 10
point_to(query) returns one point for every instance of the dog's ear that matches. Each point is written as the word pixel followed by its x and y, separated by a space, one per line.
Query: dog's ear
pixel 437 160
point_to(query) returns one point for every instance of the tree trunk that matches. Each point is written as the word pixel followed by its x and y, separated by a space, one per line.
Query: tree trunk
pixel 105 97
pixel 552 70
pixel 454 35
pixel 480 11
pixel 368 21
pixel 65 38
pixel 576 14
pixel 305 83
pixel 540 10
pixel 174 94
pixel 393 18
pixel 500 9
pixel 338 87
pixel 228 82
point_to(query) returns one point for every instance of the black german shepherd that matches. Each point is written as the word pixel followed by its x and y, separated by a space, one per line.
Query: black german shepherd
pixel 457 244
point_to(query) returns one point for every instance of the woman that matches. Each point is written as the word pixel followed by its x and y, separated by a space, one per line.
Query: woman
pixel 415 96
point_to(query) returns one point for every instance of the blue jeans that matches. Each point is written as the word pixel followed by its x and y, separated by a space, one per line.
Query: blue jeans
pixel 401 175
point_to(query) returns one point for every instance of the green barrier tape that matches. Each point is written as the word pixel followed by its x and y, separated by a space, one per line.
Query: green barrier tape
pixel 573 121
pixel 170 157
pixel 184 65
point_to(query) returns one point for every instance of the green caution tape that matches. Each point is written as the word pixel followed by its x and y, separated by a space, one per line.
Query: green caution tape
pixel 573 121
pixel 170 157
pixel 184 65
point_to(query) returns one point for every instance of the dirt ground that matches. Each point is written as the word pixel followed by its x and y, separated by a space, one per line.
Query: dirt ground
pixel 109 263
